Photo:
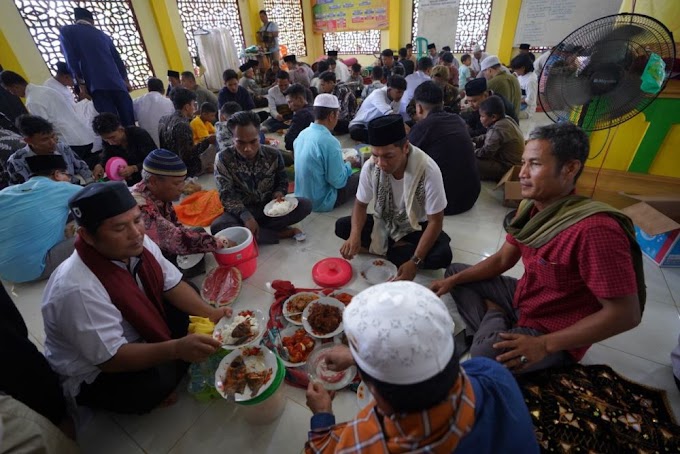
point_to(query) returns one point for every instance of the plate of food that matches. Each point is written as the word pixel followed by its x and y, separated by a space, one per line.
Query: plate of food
pixel 349 153
pixel 278 208
pixel 186 262
pixel 377 271
pixel 323 318
pixel 296 304
pixel 319 372
pixel 364 396
pixel 242 329
pixel 343 295
pixel 245 373
pixel 299 345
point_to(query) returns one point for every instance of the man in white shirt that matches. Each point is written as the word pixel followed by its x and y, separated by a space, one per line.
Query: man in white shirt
pixel 49 104
pixel 412 82
pixel 281 115
pixel 407 187
pixel 477 57
pixel 62 82
pixel 129 305
pixel 342 72
pixel 384 101
pixel 151 107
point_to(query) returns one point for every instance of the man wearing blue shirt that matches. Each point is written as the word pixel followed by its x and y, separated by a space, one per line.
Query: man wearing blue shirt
pixel 320 173
pixel 97 66
pixel 34 237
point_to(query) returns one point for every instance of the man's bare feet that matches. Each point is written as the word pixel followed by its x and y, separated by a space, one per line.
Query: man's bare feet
pixel 169 401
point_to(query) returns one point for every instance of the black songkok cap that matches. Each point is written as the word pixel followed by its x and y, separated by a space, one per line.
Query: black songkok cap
pixel 386 130
pixel 83 14
pixel 475 87
pixel 98 202
pixel 45 163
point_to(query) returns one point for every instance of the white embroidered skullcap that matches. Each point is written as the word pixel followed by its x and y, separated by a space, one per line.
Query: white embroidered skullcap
pixel 477 48
pixel 326 100
pixel 399 332
pixel 489 61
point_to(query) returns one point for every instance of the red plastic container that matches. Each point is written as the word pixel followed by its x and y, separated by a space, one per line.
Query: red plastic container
pixel 244 255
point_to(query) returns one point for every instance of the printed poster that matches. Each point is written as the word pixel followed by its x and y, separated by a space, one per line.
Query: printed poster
pixel 350 15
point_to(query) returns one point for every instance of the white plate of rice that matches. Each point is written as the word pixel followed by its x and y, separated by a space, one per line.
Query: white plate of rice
pixel 226 325
pixel 276 209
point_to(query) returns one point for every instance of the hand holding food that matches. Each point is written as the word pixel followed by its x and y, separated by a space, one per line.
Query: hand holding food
pixel 339 358
pixel 194 348
pixel 318 399
pixel 350 248
pixel 219 312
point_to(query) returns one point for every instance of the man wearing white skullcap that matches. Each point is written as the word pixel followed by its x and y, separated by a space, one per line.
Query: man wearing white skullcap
pixel 401 339
pixel 477 57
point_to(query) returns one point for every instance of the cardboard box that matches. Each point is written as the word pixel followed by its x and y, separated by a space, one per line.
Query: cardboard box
pixel 657 227
pixel 511 188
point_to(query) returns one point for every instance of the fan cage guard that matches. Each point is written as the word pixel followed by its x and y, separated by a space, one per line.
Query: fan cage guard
pixel 624 101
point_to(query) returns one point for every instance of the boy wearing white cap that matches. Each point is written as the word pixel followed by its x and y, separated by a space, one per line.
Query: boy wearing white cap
pixel 502 82
pixel 401 339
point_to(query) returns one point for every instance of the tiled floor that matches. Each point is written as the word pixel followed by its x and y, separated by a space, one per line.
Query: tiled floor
pixel 641 355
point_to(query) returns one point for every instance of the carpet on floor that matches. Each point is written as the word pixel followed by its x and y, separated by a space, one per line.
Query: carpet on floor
pixel 593 409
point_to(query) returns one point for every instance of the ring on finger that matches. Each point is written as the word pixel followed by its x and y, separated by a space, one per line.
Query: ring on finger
pixel 523 359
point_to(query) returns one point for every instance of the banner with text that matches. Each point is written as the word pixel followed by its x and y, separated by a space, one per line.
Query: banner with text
pixel 350 15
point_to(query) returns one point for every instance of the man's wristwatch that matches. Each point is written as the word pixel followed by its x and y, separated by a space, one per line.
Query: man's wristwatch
pixel 417 260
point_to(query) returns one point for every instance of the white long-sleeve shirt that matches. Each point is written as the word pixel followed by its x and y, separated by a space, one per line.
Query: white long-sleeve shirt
pixel 377 104
pixel 529 83
pixel 62 89
pixel 69 125
pixel 476 64
pixel 148 112
pixel 275 98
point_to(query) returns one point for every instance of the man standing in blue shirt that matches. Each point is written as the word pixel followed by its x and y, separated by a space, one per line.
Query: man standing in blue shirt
pixel 97 66
pixel 34 237
pixel 320 173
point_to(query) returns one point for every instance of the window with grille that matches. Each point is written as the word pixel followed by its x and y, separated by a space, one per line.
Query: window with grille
pixel 365 42
pixel 287 14
pixel 196 14
pixel 472 28
pixel 116 18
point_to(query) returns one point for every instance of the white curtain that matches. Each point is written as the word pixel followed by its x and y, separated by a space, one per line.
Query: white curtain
pixel 217 52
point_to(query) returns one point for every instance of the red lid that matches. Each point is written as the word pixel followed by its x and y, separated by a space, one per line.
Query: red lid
pixel 332 272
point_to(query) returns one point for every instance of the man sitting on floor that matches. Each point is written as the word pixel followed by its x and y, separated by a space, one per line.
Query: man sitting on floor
pixel 176 135
pixel 130 306
pixel 131 143
pixel 583 279
pixel 152 106
pixel 401 340
pixel 250 175
pixel 278 105
pixel 303 116
pixel 348 103
pixel 421 75
pixel 202 94
pixel 34 235
pixel 443 136
pixel 299 74
pixel 234 92
pixel 163 180
pixel 502 145
pixel 409 195
pixel 501 82
pixel 320 173
pixel 475 93
pixel 383 101
pixel 41 140
pixel 248 83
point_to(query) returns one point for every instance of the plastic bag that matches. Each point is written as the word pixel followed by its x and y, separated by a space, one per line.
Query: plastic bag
pixel 653 75
pixel 200 209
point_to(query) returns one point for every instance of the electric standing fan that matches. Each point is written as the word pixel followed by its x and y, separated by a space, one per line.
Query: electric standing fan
pixel 607 71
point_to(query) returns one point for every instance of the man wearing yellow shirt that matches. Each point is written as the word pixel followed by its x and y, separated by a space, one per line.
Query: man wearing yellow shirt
pixel 202 126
